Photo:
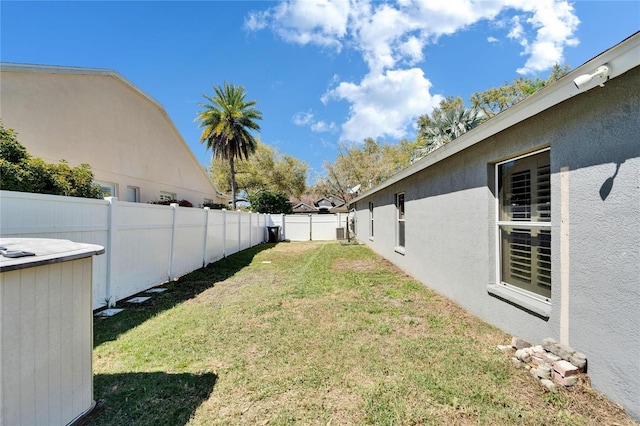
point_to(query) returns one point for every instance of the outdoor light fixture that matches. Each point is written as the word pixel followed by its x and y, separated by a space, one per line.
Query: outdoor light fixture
pixel 602 74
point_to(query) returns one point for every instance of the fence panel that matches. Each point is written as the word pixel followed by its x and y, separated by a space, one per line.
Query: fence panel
pixel 245 230
pixel 232 233
pixel 215 236
pixel 81 220
pixel 323 227
pixel 141 248
pixel 297 227
pixel 188 243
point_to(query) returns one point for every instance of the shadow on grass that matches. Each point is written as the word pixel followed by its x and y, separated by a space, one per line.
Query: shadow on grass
pixel 154 398
pixel 186 287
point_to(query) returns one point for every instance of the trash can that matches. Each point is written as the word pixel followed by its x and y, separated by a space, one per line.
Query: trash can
pixel 46 331
pixel 274 234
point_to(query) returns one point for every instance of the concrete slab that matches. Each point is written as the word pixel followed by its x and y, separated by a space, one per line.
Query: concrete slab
pixel 109 312
pixel 138 299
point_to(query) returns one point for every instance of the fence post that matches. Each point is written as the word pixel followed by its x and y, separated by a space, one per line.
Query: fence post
pixel 174 206
pixel 283 227
pixel 239 231
pixel 250 230
pixel 224 232
pixel 310 228
pixel 113 202
pixel 206 234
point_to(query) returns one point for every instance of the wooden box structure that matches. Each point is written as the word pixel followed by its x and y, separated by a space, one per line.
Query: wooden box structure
pixel 46 331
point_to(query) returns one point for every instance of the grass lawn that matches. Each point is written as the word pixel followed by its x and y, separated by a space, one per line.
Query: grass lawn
pixel 322 334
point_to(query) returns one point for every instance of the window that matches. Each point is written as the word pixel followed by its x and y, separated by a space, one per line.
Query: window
pixel 371 220
pixel 133 194
pixel 108 189
pixel 524 224
pixel 167 196
pixel 400 219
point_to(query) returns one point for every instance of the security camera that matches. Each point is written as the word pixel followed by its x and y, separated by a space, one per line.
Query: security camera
pixel 601 74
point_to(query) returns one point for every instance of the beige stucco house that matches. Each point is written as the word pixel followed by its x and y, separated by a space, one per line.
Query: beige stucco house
pixel 98 117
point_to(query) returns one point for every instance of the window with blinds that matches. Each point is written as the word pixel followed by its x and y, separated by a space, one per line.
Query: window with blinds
pixel 524 223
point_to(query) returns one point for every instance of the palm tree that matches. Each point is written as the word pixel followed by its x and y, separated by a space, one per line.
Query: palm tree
pixel 449 125
pixel 228 120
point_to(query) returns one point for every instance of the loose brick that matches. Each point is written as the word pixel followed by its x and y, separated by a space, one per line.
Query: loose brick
pixel 551 387
pixel 519 343
pixel 565 381
pixel 548 344
pixel 523 355
pixel 537 360
pixel 504 348
pixel 551 358
pixel 542 372
pixel 579 360
pixel 565 352
pixel 565 368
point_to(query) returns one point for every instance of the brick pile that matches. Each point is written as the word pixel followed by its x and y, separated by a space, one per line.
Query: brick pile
pixel 551 362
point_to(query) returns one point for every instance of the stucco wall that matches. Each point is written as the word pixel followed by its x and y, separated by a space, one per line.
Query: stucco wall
pixel 101 120
pixel 451 230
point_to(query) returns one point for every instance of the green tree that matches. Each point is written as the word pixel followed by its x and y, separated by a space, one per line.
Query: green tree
pixel 364 166
pixel 426 121
pixel 265 170
pixel 227 121
pixel 497 99
pixel 21 172
pixel 270 202
pixel 447 126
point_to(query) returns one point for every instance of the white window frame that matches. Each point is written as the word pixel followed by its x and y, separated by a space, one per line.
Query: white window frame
pixel 531 301
pixel 400 219
pixel 167 196
pixel 112 188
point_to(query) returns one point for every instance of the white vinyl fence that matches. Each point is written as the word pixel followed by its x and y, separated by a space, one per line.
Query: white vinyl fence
pixel 145 244
pixel 310 227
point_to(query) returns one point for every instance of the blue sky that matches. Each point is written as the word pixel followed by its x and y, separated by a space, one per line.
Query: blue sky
pixel 321 71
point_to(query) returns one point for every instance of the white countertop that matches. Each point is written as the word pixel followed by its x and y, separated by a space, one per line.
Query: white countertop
pixel 46 250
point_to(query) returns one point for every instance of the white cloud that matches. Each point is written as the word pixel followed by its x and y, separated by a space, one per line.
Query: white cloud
pixel 302 118
pixel 323 127
pixel 554 23
pixel 308 119
pixel 392 37
pixel 384 104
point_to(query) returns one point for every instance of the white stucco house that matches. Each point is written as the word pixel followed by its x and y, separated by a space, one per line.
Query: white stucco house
pixel 98 117
pixel 531 221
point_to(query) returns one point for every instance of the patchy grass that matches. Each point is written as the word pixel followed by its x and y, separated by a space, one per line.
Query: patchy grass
pixel 323 334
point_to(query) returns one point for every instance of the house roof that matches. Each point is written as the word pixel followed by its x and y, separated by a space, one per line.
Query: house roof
pixel 56 69
pixel 620 58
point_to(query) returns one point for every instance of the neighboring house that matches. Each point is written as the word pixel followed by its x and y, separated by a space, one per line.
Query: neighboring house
pixel 531 221
pixel 302 208
pixel 324 205
pixel 98 117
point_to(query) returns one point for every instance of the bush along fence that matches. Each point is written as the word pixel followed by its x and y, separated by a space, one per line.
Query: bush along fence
pixel 148 244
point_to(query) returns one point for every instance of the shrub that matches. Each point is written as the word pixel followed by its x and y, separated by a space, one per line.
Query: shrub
pixel 270 202
pixel 19 171
pixel 181 203
pixel 214 206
